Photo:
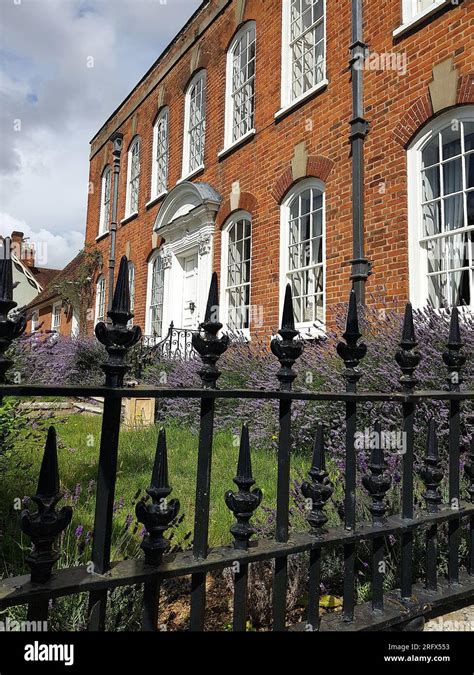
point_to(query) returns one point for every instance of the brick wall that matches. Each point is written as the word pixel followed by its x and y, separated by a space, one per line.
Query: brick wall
pixel 396 106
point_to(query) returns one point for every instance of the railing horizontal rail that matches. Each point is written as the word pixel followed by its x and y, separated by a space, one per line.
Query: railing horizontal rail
pixel 157 392
pixel 17 590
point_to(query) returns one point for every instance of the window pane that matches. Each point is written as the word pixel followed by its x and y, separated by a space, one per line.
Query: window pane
pixel 469 159
pixel 430 154
pixel 453 213
pixel 430 184
pixel 431 219
pixel 452 176
pixel 468 136
pixel 451 142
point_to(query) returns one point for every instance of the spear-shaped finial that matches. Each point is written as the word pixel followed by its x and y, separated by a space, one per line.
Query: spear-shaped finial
pixel 431 473
pixel 118 338
pixel 209 347
pixel 285 347
pixel 408 356
pixel 46 524
pixel 158 515
pixel 244 502
pixel 350 351
pixel 121 299
pixel 454 357
pixel 377 482
pixel 319 489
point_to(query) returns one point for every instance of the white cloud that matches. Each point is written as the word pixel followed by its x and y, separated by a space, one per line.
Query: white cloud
pixel 60 102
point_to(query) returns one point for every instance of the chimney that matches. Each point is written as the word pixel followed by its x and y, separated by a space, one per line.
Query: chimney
pixel 22 249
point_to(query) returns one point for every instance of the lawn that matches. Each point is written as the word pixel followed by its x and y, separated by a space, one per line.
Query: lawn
pixel 78 451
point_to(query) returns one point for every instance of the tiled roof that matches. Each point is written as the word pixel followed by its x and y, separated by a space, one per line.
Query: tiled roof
pixel 49 292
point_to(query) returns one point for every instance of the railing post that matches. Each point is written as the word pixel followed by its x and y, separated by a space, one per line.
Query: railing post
pixel 287 350
pixel 317 491
pixel 408 359
pixel 454 358
pixel 117 338
pixel 377 483
pixel 156 518
pixel 432 474
pixel 210 348
pixel 351 352
pixel 242 504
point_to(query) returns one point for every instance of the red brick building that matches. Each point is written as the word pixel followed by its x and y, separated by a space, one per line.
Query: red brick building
pixel 236 157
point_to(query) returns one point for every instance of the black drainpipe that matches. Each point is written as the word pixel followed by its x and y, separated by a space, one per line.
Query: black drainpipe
pixel 359 130
pixel 117 140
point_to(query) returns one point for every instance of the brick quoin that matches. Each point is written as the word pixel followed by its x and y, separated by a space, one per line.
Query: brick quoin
pixel 396 105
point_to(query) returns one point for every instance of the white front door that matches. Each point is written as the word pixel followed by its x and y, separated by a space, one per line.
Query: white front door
pixel 190 291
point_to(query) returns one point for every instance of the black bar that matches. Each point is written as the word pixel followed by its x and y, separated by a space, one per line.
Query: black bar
pixel 350 512
pixel 240 598
pixel 471 546
pixel 151 595
pixel 38 609
pixel 201 517
pixel 280 582
pixel 454 495
pixel 407 501
pixel 159 392
pixel 282 515
pixel 314 591
pixel 198 601
pixel 432 558
pixel 378 573
pixel 104 504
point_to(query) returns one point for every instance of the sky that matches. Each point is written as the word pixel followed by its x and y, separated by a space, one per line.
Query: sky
pixel 65 65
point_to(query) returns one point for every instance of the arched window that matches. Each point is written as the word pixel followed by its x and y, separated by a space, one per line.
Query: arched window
pixel 155 294
pixel 160 155
pixel 104 217
pixel 194 124
pixel 236 269
pixel 133 177
pixel 303 252
pixel 441 211
pixel 100 299
pixel 240 104
pixel 131 287
pixel 303 49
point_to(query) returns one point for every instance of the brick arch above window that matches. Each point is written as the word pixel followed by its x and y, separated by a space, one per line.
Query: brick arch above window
pixel 421 110
pixel 246 202
pixel 317 166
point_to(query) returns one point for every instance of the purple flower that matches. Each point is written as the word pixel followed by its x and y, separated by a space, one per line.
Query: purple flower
pixel 79 531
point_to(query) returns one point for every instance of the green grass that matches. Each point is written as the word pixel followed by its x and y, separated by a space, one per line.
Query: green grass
pixel 79 440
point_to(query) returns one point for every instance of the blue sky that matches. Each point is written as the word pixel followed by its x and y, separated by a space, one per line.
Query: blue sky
pixel 52 102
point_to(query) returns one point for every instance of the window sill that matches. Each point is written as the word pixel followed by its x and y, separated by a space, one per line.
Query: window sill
pixel 102 236
pixel 191 175
pixel 155 200
pixel 321 86
pixel 127 219
pixel 420 18
pixel 236 144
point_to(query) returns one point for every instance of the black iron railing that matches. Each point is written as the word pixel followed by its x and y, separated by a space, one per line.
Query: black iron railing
pixel 415 597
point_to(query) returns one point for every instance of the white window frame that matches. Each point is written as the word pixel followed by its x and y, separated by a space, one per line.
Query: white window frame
pixel 224 302
pixel 230 105
pixel 56 316
pixel 418 276
pixel 287 98
pixel 309 328
pixel 35 320
pixel 105 200
pixel 412 15
pixel 188 169
pixel 131 289
pixel 149 296
pixel 100 297
pixel 130 179
pixel 160 162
